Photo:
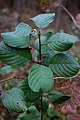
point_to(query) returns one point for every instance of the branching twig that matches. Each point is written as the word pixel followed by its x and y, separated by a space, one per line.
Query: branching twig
pixel 73 19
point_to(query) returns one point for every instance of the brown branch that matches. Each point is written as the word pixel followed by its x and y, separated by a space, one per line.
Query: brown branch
pixel 7 79
pixel 73 19
pixel 58 18
pixel 4 80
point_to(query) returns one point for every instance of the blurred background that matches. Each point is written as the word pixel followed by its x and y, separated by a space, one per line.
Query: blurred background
pixel 13 12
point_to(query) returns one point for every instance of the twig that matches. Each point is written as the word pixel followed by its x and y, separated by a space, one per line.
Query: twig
pixel 66 77
pixel 4 80
pixel 39 35
pixel 73 19
pixel 9 114
pixel 34 47
pixel 7 79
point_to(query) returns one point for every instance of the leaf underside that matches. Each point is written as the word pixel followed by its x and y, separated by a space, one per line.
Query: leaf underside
pixel 43 20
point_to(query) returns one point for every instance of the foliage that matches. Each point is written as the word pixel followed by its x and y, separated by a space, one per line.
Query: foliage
pixel 51 60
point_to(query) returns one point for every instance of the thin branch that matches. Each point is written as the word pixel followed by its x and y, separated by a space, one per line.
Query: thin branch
pixel 66 77
pixel 34 47
pixel 7 79
pixel 9 114
pixel 39 35
pixel 41 109
pixel 73 19
pixel 4 80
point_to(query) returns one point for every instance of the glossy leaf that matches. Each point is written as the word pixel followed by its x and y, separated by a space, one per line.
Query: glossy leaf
pixel 64 65
pixel 14 56
pixel 20 38
pixel 40 78
pixel 14 100
pixel 58 97
pixel 43 20
pixel 30 95
pixel 61 41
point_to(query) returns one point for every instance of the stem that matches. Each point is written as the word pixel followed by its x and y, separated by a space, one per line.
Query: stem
pixel 9 114
pixel 73 19
pixel 41 109
pixel 39 35
pixel 14 77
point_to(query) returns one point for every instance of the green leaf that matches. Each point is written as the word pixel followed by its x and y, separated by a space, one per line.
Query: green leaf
pixel 32 109
pixel 30 95
pixel 64 65
pixel 58 97
pixel 23 29
pixel 61 41
pixel 20 38
pixel 30 116
pixel 14 100
pixel 48 35
pixel 43 20
pixel 6 69
pixel 40 78
pixel 14 56
pixel 45 105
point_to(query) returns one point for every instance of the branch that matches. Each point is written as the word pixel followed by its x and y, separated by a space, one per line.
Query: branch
pixel 7 79
pixel 39 35
pixel 34 47
pixel 73 19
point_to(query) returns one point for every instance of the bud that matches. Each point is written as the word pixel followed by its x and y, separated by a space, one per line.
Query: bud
pixel 30 48
pixel 39 62
pixel 43 56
